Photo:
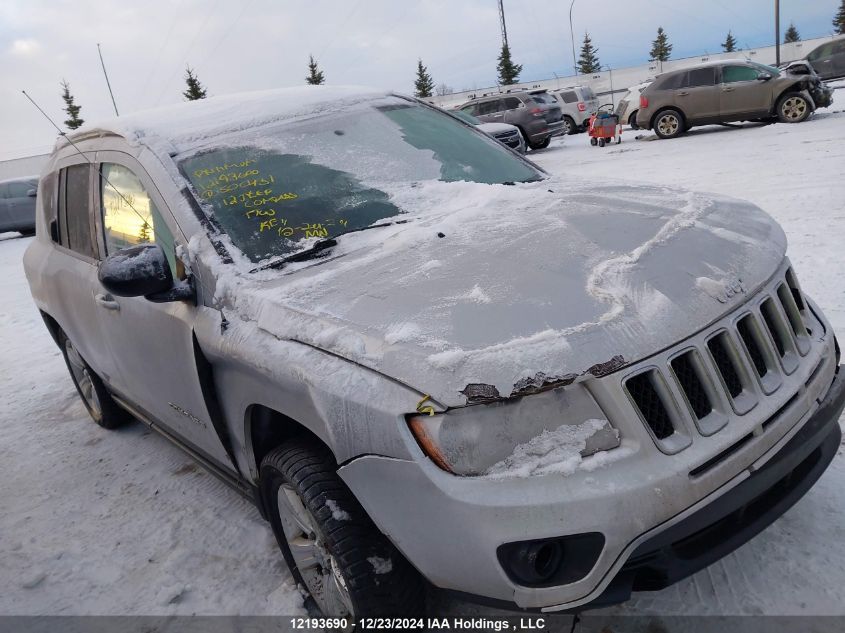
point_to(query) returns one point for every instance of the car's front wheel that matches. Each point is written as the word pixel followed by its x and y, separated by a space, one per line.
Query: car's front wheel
pixel 95 396
pixel 333 549
pixel 793 108
pixel 569 126
pixel 669 124
pixel 541 144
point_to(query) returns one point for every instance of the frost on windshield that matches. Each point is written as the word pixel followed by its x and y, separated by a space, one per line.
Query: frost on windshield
pixel 267 202
pixel 271 187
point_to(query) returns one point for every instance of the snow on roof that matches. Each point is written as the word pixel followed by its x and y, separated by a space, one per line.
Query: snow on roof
pixel 185 124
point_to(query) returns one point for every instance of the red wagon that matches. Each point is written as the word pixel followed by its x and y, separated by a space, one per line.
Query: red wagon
pixel 604 127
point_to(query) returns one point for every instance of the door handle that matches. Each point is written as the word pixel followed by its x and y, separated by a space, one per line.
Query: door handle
pixel 728 89
pixel 107 301
pixel 683 94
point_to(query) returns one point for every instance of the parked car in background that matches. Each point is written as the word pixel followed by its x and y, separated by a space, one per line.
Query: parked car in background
pixel 628 107
pixel 17 205
pixel 536 118
pixel 828 59
pixel 387 330
pixel 577 104
pixel 503 132
pixel 722 92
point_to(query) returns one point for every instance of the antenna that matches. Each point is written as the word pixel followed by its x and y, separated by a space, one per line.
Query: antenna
pixel 103 64
pixel 502 24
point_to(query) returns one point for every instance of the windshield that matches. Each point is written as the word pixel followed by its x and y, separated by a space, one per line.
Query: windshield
pixel 272 187
pixel 766 69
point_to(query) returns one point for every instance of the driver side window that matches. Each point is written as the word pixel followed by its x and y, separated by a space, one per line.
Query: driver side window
pixel 130 216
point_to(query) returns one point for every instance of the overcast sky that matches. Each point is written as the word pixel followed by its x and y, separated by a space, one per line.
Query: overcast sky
pixel 237 45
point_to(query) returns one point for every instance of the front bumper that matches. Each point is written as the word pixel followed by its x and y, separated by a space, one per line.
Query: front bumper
pixel 450 527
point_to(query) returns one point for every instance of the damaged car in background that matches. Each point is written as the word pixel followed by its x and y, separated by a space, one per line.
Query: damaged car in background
pixel 428 363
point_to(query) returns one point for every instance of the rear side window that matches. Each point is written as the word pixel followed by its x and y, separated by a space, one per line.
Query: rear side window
pixel 701 77
pixel 671 82
pixel 569 97
pixel 489 107
pixel 588 93
pixel 75 211
pixel 731 74
pixel 542 98
pixel 512 103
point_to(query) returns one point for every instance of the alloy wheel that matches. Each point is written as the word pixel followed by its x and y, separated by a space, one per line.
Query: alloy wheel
pixel 82 377
pixel 318 568
pixel 668 124
pixel 794 108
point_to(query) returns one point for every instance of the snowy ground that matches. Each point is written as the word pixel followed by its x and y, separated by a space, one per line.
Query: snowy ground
pixel 105 522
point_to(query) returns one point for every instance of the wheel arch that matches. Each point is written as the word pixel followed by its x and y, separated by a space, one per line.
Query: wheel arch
pixel 797 88
pixel 52 326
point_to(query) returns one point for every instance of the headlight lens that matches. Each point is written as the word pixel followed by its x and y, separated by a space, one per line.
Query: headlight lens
pixel 507 435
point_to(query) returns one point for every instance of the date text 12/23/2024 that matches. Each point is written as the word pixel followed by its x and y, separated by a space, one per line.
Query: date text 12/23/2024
pixel 420 624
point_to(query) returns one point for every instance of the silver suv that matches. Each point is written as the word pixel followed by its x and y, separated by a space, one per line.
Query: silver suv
pixel 425 360
pixel 536 114
pixel 578 104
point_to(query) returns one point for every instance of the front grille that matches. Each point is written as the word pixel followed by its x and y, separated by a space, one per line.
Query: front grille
pixel 650 404
pixel 693 384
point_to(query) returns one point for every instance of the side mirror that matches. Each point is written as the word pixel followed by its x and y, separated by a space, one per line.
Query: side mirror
pixel 32 193
pixel 142 270
pixel 764 76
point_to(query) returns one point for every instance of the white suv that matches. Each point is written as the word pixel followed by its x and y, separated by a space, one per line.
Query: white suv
pixel 578 103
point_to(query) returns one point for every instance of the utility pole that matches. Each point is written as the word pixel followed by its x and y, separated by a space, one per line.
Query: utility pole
pixel 777 32
pixel 572 37
pixel 502 24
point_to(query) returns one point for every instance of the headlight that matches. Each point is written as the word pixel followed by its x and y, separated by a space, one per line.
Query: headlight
pixel 536 434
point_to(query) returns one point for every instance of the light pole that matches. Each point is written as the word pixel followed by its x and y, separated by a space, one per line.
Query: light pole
pixel 777 32
pixel 572 37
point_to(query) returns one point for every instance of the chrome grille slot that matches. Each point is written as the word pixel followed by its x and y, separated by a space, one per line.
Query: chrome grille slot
pixel 795 290
pixel 770 317
pixel 643 390
pixel 690 382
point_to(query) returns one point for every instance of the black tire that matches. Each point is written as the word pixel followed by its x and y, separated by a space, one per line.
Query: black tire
pixel 541 144
pixel 632 120
pixel 594 141
pixel 354 545
pixel 793 107
pixel 601 142
pixel 95 396
pixel 569 125
pixel 669 124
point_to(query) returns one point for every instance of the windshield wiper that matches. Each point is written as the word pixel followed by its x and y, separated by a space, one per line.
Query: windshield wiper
pixel 319 247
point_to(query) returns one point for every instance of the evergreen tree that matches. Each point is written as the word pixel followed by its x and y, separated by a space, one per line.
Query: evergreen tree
pixel 791 34
pixel 72 110
pixel 315 75
pixel 661 49
pixel 423 85
pixel 144 234
pixel 508 71
pixel 839 20
pixel 588 62
pixel 195 88
pixel 729 46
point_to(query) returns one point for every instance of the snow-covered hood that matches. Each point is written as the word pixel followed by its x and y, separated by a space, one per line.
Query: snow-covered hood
pixel 495 128
pixel 513 287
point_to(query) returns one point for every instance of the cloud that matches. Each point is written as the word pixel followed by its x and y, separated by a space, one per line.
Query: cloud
pixel 25 48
